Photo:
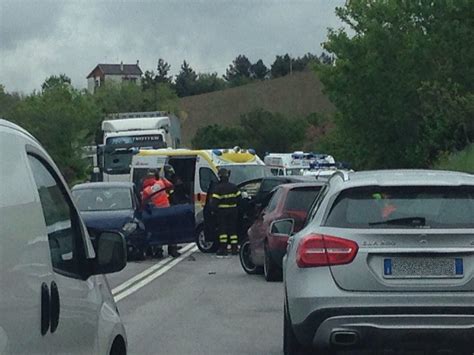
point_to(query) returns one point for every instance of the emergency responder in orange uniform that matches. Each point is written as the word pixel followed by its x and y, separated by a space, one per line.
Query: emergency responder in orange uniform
pixel 225 201
pixel 155 192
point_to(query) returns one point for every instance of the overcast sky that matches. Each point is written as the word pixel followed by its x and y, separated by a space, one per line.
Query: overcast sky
pixel 39 38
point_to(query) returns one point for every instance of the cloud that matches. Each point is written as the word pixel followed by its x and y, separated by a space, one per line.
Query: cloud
pixel 71 37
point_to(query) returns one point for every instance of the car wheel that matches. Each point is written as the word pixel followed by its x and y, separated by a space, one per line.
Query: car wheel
pixel 245 260
pixel 271 270
pixel 203 245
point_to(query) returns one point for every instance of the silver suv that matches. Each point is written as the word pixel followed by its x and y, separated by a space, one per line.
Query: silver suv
pixel 385 262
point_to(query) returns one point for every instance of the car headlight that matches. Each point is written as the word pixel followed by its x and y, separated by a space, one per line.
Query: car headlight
pixel 130 227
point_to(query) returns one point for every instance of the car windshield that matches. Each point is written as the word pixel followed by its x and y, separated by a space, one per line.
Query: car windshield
pixel 301 199
pixel 241 172
pixel 404 207
pixel 103 199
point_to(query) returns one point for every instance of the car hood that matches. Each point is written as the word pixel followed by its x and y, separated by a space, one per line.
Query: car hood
pixel 107 220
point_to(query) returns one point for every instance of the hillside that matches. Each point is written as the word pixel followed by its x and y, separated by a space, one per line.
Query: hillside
pixel 294 95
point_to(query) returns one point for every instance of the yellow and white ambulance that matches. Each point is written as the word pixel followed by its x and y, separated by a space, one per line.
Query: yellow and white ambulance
pixel 198 169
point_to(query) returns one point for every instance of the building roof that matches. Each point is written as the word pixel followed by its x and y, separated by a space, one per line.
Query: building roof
pixel 116 69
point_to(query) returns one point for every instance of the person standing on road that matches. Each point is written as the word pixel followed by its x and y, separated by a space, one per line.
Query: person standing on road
pixel 225 201
pixel 155 192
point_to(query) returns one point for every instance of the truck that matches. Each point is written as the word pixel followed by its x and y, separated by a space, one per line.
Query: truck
pixel 124 134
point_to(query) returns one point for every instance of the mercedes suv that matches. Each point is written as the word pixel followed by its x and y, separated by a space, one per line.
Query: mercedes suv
pixel 385 262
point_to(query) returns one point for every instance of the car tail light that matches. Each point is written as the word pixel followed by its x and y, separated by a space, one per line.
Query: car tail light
pixel 325 250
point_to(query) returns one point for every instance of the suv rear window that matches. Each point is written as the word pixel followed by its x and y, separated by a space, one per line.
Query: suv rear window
pixel 301 199
pixel 404 207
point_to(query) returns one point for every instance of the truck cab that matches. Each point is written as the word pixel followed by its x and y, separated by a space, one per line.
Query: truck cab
pixel 126 133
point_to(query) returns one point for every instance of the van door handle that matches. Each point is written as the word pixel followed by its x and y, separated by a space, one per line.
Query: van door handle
pixel 55 307
pixel 45 307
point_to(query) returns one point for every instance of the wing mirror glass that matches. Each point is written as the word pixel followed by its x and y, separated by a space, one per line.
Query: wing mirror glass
pixel 111 253
pixel 283 227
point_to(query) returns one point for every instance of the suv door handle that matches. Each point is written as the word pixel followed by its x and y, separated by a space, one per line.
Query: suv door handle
pixel 55 307
pixel 45 308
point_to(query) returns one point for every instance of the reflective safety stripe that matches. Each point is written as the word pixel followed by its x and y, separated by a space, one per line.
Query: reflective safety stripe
pixel 220 197
pixel 223 238
pixel 234 239
pixel 227 206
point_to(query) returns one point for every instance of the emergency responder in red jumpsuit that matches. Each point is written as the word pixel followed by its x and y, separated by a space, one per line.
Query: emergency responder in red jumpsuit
pixel 225 201
pixel 155 192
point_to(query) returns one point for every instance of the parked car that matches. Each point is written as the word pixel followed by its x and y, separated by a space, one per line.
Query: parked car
pixel 386 261
pixel 54 296
pixel 113 206
pixel 283 215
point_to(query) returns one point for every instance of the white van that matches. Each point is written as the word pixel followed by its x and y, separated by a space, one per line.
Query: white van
pixel 54 298
pixel 297 163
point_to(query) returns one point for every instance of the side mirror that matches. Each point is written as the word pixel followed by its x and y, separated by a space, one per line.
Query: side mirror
pixel 111 253
pixel 282 227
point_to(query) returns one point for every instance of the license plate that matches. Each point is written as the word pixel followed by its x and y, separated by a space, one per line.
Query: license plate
pixel 423 267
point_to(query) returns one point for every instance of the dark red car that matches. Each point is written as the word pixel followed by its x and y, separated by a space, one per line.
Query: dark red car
pixel 283 214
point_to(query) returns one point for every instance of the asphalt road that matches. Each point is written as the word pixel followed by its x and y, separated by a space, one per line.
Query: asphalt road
pixel 198 304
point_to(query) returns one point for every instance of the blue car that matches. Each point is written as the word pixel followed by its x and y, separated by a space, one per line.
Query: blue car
pixel 115 206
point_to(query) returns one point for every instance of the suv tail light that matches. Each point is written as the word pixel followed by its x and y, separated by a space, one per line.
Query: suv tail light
pixel 325 250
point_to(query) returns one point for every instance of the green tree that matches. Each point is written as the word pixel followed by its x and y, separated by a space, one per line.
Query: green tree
pixel 216 136
pixel 239 71
pixel 8 101
pixel 259 70
pixel 56 80
pixel 402 82
pixel 185 81
pixel 281 66
pixel 273 132
pixel 123 97
pixel 63 120
pixel 162 70
pixel 208 82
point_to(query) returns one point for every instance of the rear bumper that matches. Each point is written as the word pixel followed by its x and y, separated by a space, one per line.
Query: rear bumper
pixel 388 327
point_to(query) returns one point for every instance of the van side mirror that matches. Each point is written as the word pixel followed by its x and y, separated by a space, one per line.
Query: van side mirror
pixel 282 227
pixel 111 253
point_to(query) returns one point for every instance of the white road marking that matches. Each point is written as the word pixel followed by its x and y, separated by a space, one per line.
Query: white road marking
pixel 147 272
pixel 158 271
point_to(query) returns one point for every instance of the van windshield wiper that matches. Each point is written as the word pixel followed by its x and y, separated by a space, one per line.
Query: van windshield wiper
pixel 405 221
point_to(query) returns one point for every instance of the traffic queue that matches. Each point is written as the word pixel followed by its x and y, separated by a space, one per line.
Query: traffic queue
pixel 214 197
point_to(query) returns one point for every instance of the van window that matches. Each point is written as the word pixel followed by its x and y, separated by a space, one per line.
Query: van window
pixel 206 176
pixel 62 225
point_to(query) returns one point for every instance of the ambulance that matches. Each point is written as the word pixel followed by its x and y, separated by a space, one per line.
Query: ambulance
pixel 198 170
pixel 297 163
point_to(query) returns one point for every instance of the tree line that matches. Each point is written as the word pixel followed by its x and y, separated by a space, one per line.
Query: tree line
pixel 402 82
pixel 240 72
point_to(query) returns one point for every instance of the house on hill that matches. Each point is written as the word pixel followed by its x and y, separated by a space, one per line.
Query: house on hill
pixel 117 73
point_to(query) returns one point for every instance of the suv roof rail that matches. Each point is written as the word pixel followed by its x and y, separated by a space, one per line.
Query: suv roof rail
pixel 343 174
